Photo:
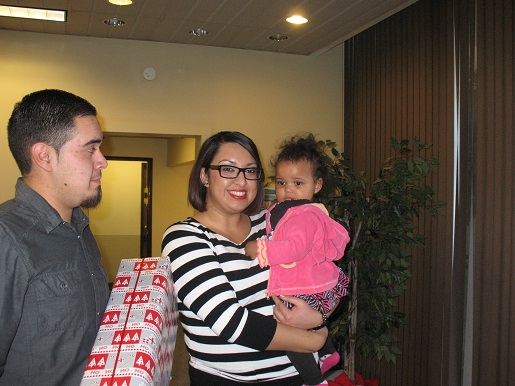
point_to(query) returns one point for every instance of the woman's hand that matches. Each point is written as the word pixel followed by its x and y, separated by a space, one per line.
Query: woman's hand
pixel 251 249
pixel 300 316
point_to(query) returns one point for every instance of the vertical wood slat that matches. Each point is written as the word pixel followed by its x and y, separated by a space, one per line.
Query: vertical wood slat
pixel 388 57
pixel 399 82
pixel 494 311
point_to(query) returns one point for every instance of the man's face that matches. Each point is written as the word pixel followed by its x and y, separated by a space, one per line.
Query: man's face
pixel 79 167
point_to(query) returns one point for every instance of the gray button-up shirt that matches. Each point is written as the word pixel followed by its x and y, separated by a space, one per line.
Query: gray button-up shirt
pixel 53 292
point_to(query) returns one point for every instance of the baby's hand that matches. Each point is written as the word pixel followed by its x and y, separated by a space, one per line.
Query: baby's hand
pixel 251 249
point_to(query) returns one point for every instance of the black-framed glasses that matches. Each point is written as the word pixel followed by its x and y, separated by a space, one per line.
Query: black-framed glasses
pixel 232 172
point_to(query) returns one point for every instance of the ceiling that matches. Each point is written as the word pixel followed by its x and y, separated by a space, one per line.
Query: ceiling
pixel 242 24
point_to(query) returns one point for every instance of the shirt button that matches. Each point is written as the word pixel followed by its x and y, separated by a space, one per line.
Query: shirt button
pixel 78 237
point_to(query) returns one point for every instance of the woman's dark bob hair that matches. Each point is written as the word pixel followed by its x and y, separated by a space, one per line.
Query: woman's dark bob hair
pixel 197 192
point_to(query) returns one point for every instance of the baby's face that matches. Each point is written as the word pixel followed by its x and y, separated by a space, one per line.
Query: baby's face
pixel 295 181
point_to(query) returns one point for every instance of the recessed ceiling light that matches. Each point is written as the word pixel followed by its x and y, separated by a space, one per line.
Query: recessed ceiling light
pixel 278 37
pixel 114 22
pixel 33 13
pixel 199 32
pixel 296 19
pixel 121 2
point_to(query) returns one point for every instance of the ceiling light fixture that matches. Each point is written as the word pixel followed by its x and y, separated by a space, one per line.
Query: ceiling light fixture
pixel 121 2
pixel 199 32
pixel 296 19
pixel 114 22
pixel 278 37
pixel 33 13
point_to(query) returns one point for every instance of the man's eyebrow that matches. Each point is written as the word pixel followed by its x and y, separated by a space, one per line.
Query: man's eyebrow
pixel 93 141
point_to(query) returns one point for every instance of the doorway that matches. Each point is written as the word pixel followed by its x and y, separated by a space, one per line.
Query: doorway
pixel 122 223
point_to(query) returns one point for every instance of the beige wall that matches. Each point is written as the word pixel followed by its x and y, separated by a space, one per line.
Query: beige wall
pixel 121 183
pixel 197 91
pixel 169 185
pixel 116 221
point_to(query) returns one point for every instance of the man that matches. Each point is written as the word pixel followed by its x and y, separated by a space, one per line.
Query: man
pixel 53 289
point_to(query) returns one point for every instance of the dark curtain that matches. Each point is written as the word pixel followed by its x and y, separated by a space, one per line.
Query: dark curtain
pixel 442 71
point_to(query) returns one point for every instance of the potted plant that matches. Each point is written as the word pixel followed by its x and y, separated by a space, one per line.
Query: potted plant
pixel 381 219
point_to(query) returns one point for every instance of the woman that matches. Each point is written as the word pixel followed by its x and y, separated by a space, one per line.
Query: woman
pixel 226 316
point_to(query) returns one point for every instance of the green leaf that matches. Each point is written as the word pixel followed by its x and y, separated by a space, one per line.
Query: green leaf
pixel 382 219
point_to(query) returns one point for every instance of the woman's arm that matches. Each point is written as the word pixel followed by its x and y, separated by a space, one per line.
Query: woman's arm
pixel 204 289
pixel 235 311
pixel 294 339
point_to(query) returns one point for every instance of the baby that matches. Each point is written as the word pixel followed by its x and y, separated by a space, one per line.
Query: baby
pixel 302 244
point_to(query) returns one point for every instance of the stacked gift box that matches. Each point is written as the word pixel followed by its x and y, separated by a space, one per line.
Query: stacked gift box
pixel 135 342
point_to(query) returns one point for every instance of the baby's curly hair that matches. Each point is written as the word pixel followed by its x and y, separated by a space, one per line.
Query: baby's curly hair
pixel 304 147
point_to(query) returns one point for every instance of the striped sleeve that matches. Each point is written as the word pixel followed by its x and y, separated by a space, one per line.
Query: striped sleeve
pixel 203 287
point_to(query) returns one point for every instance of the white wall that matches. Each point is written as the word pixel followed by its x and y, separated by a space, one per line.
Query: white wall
pixel 122 183
pixel 198 90
pixel 169 186
pixel 116 221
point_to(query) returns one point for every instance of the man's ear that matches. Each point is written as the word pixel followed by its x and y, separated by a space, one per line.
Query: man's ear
pixel 42 155
pixel 318 185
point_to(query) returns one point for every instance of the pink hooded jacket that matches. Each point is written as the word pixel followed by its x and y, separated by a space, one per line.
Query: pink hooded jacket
pixel 302 250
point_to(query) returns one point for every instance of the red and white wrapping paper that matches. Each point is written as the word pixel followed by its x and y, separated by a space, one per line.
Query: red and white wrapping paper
pixel 135 342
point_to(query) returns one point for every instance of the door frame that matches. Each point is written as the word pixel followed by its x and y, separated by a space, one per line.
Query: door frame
pixel 146 202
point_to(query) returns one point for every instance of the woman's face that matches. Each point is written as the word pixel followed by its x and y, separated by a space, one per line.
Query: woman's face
pixel 230 196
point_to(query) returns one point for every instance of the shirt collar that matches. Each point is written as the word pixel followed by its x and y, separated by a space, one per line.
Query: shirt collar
pixel 48 216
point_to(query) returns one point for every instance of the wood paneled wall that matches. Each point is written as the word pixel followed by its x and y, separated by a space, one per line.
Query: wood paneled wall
pixel 442 71
pixel 494 260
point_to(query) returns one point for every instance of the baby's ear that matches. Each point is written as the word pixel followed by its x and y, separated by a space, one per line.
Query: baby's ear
pixel 318 185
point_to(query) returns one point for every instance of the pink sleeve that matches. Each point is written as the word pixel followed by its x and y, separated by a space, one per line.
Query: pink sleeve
pixel 291 241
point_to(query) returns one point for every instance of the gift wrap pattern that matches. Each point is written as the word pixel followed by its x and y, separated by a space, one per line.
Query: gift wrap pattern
pixel 136 340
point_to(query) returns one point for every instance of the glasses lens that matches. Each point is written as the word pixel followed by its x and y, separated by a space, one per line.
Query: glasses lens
pixel 228 172
pixel 252 173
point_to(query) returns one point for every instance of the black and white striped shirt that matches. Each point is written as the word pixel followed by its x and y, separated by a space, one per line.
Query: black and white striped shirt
pixel 224 310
